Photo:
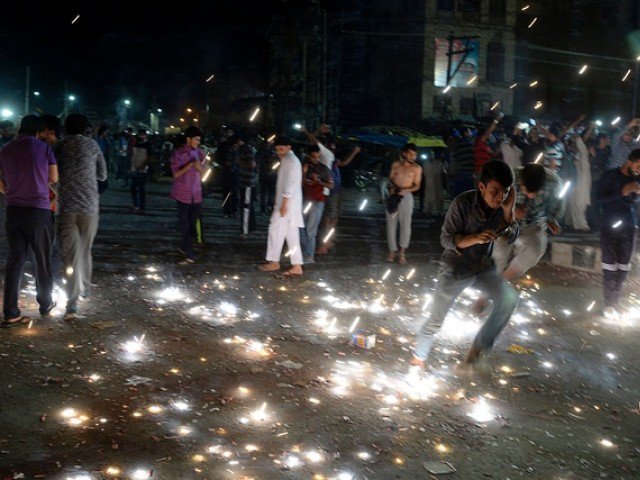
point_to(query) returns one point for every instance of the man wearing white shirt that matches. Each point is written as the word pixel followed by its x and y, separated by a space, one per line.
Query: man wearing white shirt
pixel 286 219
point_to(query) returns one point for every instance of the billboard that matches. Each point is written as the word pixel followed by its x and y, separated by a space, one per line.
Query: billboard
pixel 468 68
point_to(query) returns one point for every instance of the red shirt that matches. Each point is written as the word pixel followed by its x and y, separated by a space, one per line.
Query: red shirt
pixel 482 153
pixel 314 191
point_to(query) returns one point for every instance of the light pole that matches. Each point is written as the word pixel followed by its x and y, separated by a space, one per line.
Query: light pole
pixel 634 102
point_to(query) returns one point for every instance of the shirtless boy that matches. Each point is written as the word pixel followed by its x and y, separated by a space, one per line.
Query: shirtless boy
pixel 404 179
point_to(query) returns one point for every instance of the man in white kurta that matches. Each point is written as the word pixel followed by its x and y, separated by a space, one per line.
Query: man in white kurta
pixel 287 218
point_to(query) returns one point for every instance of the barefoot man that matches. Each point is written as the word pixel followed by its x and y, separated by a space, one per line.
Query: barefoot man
pixel 404 179
pixel 286 219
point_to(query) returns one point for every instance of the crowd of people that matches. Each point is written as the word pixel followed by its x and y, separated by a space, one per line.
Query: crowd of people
pixel 507 192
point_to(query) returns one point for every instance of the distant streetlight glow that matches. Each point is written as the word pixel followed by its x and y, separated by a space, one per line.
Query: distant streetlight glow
pixel 127 102
pixel 72 98
pixel 159 110
pixel 6 113
pixel 189 110
pixel 36 93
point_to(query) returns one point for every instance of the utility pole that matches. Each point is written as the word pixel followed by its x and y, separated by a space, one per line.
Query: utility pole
pixel 325 67
pixel 27 90
pixel 634 102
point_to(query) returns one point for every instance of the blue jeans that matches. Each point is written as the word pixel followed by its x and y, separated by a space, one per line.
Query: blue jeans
pixel 310 232
pixel 505 300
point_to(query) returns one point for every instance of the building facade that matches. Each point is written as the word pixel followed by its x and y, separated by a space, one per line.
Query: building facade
pixel 470 83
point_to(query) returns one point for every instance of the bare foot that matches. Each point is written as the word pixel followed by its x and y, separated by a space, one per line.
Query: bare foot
pixel 270 267
pixel 417 362
pixel 402 260
pixel 474 355
pixel 391 257
pixel 294 271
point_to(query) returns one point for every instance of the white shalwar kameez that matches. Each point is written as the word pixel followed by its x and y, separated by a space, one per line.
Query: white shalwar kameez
pixel 288 185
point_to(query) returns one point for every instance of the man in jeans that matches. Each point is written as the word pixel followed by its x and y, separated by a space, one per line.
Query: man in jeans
pixel 186 166
pixel 474 220
pixel 538 208
pixel 81 166
pixel 27 168
pixel 317 178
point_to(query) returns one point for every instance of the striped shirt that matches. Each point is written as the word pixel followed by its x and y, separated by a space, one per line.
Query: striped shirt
pixel 463 156
pixel 188 187
pixel 81 165
pixel 546 206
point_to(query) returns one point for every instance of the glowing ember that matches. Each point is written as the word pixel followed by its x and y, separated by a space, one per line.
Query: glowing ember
pixel 292 461
pixel 181 405
pixel 260 414
pixel 229 309
pixel 314 456
pixel 134 346
pixel 172 294
pixel 68 413
pixel 354 324
pixel 112 471
pixel 140 474
pixel 481 412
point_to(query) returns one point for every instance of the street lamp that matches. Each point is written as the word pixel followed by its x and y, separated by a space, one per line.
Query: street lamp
pixel 36 94
pixel 6 113
pixel 127 102
pixel 72 98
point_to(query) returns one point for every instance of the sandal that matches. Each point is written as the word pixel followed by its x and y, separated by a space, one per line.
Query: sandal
pixel 14 322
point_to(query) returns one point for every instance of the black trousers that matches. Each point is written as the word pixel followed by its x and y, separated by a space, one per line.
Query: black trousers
pixel 138 196
pixel 617 247
pixel 28 228
pixel 267 193
pixel 188 213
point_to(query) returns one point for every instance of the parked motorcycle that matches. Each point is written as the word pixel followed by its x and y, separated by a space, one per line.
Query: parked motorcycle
pixel 365 179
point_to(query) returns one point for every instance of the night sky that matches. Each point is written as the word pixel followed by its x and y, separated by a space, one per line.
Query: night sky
pixel 158 56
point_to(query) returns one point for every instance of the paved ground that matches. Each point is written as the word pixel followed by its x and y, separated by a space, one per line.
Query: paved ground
pixel 239 375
